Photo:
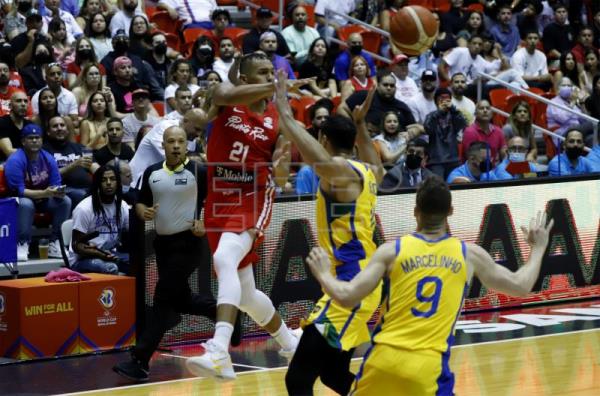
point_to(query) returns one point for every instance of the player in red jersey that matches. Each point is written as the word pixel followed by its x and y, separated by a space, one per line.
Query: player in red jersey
pixel 245 156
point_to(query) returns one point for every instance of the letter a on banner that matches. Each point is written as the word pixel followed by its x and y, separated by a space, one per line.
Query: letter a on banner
pixel 8 230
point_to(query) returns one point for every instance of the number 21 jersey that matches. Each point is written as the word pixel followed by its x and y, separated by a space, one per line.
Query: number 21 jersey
pixel 240 150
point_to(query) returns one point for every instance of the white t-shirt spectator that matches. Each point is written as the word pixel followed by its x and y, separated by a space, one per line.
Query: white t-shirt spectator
pixel 467 107
pixel 341 6
pixel 222 68
pixel 122 21
pixel 527 64
pixel 170 93
pixel 132 126
pixel 460 60
pixel 190 11
pixel 421 107
pixel 67 103
pixel 405 89
pixel 86 221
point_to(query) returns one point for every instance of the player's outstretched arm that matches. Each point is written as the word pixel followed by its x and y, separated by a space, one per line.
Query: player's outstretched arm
pixel 349 294
pixel 313 153
pixel 500 278
pixel 229 95
pixel 366 150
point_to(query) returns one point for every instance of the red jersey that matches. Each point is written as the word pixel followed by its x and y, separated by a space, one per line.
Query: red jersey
pixel 240 149
pixel 240 192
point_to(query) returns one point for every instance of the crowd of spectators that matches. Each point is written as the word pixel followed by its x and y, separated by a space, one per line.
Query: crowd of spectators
pixel 88 88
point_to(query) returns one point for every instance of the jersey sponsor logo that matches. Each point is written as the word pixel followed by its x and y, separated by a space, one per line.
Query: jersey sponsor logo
pixel 268 121
pixel 233 175
pixel 181 182
pixel 256 133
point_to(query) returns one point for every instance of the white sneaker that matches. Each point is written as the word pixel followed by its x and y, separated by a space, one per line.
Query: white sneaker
pixel 289 353
pixel 214 363
pixel 23 251
pixel 54 249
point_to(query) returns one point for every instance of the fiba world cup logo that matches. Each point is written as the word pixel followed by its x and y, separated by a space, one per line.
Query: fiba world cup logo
pixel 2 303
pixel 107 298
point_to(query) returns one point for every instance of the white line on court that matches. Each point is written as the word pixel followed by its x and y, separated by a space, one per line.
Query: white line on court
pixel 258 368
pixel 262 370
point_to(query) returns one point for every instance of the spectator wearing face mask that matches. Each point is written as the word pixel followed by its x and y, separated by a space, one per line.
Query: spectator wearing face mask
pixel 560 120
pixel 478 166
pixel 571 161
pixel 355 48
pixel 517 154
pixel 157 58
pixel 411 172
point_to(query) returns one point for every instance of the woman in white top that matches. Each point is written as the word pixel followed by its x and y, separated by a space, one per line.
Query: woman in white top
pixel 99 35
pixel 180 75
pixel 495 63
pixel 391 143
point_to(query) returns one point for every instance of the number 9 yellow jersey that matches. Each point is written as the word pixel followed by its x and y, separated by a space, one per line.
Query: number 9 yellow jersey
pixel 423 294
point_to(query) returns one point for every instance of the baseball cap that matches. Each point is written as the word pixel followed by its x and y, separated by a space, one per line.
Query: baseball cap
pixel 399 58
pixel 140 93
pixel 119 33
pixel 428 75
pixel 264 12
pixel 31 129
pixel 120 61
pixel 33 15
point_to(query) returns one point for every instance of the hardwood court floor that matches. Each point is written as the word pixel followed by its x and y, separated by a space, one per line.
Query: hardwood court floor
pixel 550 350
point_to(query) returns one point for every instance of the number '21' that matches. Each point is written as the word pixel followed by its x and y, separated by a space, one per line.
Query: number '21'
pixel 433 299
pixel 239 152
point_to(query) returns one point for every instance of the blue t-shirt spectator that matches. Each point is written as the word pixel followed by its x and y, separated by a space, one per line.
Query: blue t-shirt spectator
pixel 464 171
pixel 307 181
pixel 561 166
pixel 21 173
pixel 342 65
pixel 594 158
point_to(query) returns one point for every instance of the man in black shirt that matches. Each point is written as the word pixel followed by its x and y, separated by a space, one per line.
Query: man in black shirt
pixel 114 148
pixel 143 74
pixel 74 167
pixel 251 43
pixel 12 124
pixel 123 85
pixel 157 58
pixel 172 194
pixel 383 101
pixel 558 36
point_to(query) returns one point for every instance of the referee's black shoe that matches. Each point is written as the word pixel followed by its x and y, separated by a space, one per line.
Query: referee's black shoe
pixel 133 370
pixel 236 337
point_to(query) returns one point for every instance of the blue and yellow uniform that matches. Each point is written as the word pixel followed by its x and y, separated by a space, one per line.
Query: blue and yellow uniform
pixel 345 231
pixel 423 296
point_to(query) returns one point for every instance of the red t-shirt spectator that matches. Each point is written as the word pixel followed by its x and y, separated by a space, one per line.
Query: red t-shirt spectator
pixel 5 102
pixel 76 69
pixel 494 138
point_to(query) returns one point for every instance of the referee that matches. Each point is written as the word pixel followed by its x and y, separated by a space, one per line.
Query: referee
pixel 172 195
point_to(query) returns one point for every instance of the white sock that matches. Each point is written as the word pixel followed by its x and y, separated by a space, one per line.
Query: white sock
pixel 285 338
pixel 222 337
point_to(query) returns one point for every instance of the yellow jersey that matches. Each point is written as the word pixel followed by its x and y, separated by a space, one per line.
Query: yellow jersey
pixel 423 294
pixel 345 230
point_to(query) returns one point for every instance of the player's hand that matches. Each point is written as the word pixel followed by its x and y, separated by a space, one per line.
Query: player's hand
pixel 360 112
pixel 319 263
pixel 282 157
pixel 197 228
pixel 150 212
pixel 538 232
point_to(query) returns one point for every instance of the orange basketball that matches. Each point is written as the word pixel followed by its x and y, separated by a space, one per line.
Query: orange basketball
pixel 413 29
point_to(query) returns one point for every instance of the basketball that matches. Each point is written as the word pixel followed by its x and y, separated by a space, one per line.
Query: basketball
pixel 413 30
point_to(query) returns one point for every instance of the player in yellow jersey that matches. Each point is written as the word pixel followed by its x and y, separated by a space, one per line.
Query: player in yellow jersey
pixel 345 225
pixel 425 276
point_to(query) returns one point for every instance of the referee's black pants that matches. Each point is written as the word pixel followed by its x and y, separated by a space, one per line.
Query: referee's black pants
pixel 177 256
pixel 315 358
